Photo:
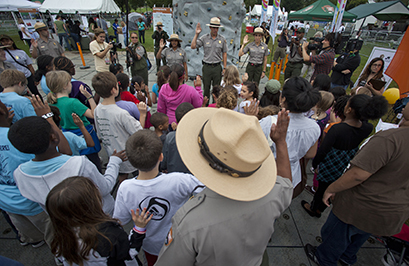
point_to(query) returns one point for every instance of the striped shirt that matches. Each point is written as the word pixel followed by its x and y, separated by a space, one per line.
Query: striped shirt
pixel 323 62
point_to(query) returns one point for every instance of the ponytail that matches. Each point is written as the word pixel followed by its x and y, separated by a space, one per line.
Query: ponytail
pixel 177 72
pixel 51 98
pixel 252 87
pixel 163 76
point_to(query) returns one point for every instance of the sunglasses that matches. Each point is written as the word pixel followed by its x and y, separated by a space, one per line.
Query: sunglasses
pixel 134 37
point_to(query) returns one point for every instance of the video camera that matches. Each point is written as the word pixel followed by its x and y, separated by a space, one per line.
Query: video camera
pixel 353 44
pixel 315 46
pixel 115 46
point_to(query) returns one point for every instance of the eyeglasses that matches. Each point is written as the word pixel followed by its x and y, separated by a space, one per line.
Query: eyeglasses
pixel 377 65
pixel 134 37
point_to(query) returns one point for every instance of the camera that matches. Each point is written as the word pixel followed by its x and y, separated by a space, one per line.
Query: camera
pixel 115 46
pixel 316 45
pixel 316 39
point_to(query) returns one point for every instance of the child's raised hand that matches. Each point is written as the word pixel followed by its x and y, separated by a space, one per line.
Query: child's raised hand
pixel 244 77
pixel 85 92
pixel 142 107
pixel 121 155
pixel 141 220
pixel 205 101
pixel 252 108
pixel 77 120
pixel 174 125
pixel 197 82
pixel 39 107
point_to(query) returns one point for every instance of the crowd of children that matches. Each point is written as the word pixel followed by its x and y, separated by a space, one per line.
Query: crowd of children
pixel 52 193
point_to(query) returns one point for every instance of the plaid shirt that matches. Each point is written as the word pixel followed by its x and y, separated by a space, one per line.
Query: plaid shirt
pixel 323 62
pixel 334 164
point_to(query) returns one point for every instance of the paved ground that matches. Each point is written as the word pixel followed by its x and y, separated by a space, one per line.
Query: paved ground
pixel 293 229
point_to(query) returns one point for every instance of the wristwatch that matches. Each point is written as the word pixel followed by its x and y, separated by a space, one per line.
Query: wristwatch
pixel 48 115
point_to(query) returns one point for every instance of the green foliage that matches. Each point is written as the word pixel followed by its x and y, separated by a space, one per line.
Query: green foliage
pixel 134 4
pixel 251 3
pixel 159 3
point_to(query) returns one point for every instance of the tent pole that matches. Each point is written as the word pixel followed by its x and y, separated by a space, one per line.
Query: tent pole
pixel 360 28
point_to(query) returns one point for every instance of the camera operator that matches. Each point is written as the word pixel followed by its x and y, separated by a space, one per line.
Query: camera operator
pixel 295 59
pixel 283 41
pixel 325 59
pixel 346 64
pixel 100 49
pixel 313 48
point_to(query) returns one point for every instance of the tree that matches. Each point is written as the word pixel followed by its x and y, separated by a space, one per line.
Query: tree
pixel 159 3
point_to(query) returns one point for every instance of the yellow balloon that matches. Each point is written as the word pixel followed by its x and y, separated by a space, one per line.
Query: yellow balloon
pixel 392 95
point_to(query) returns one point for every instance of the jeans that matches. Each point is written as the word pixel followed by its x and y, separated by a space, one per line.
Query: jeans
pixel 141 36
pixel 65 37
pixel 336 85
pixel 339 241
pixel 77 39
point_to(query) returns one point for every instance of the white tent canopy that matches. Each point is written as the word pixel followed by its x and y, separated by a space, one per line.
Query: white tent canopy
pixel 80 6
pixel 256 11
pixel 13 5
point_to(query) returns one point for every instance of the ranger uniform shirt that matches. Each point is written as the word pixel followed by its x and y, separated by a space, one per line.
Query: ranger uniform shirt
pixel 177 56
pixel 49 47
pixel 213 49
pixel 214 230
pixel 257 52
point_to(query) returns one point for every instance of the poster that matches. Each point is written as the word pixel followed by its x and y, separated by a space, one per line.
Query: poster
pixel 386 54
pixel 164 15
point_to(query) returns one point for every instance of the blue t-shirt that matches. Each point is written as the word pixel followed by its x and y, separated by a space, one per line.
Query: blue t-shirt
pixel 155 89
pixel 20 105
pixel 76 143
pixel 115 27
pixel 11 199
pixel 44 86
pixel 141 25
pixel 44 167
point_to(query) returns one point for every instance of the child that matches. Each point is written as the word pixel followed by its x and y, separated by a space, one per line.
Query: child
pixel 44 65
pixel 141 91
pixel 249 91
pixel 341 143
pixel 161 194
pixel 15 84
pixel 161 123
pixel 27 216
pixel 337 113
pixel 83 233
pixel 76 143
pixel 59 82
pixel 215 94
pixel 49 167
pixel 272 94
pixel 123 84
pixel 228 98
pixel 232 77
pixel 171 158
pixel 116 69
pixel 163 78
pixel 114 125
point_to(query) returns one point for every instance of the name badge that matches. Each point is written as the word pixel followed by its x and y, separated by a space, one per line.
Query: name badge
pixel 107 61
pixel 42 47
pixel 207 43
pixel 262 48
pixel 180 54
pixel 220 41
pixel 17 57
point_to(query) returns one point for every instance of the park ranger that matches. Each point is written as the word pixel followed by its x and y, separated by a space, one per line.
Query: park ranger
pixel 158 35
pixel 258 52
pixel 173 54
pixel 44 45
pixel 295 59
pixel 215 51
pixel 231 221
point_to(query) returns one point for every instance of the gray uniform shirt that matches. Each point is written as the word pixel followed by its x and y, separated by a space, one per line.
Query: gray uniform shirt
pixel 213 230
pixel 213 49
pixel 257 53
pixel 49 47
pixel 294 56
pixel 177 56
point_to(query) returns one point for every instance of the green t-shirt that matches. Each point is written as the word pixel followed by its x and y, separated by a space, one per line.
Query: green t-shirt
pixel 68 106
pixel 60 27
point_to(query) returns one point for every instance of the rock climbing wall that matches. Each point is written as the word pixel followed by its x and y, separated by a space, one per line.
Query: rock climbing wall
pixel 186 14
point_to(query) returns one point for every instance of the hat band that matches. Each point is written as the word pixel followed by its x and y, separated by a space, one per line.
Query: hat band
pixel 213 24
pixel 215 163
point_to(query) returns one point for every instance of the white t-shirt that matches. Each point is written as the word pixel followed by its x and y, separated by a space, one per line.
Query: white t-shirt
pixel 161 196
pixel 242 104
pixel 114 127
pixel 25 36
pixel 101 64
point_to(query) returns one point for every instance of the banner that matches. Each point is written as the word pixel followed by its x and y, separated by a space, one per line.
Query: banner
pixel 264 6
pixel 274 18
pixel 164 15
pixel 338 14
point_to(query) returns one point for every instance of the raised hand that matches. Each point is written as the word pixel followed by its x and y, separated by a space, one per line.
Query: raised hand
pixel 121 155
pixel 141 220
pixel 244 77
pixel 246 40
pixel 252 108
pixel 39 107
pixel 34 43
pixel 278 131
pixel 85 92
pixel 198 28
pixel 162 44
pixel 142 107
pixel 197 82
pixel 77 120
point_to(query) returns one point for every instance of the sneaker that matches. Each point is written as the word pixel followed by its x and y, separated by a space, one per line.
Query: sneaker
pixel 38 244
pixel 388 261
pixel 343 263
pixel 310 252
pixel 58 262
pixel 23 243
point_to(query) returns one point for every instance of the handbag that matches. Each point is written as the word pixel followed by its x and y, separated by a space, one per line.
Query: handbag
pixel 148 62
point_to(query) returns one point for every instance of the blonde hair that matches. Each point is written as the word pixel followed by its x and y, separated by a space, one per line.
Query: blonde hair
pixel 227 98
pixel 123 24
pixel 363 90
pixel 231 76
pixel 56 81
pixel 327 100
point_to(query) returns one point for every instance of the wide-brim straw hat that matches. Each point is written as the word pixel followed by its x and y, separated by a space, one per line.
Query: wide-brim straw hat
pixel 4 46
pixel 215 23
pixel 234 139
pixel 159 24
pixel 174 37
pixel 258 30
pixel 40 26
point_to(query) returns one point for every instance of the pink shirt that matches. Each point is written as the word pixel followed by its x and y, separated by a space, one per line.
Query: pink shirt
pixel 169 100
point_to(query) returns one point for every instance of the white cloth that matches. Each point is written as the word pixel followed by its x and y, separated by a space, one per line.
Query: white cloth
pixel 302 134
pixel 114 127
pixel 161 196
pixel 25 36
pixel 242 104
pixel 36 188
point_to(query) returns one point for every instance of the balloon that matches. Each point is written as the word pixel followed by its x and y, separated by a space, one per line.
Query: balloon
pixel 392 95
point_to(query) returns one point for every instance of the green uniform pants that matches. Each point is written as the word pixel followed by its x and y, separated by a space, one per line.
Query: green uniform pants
pixel 212 75
pixel 292 70
pixel 158 60
pixel 254 72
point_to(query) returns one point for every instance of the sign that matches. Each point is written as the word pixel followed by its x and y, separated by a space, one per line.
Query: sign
pixel 164 15
pixel 387 55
